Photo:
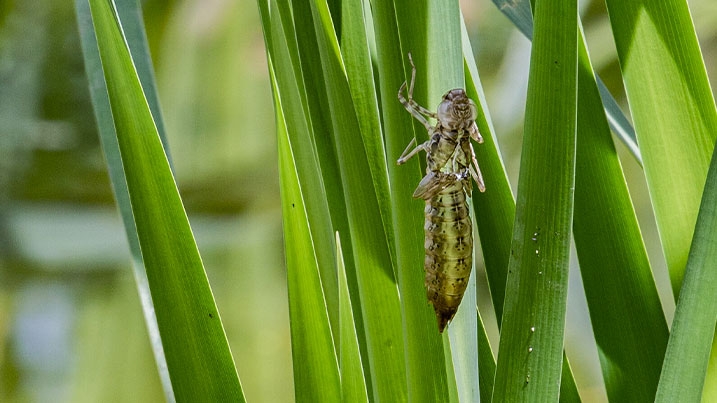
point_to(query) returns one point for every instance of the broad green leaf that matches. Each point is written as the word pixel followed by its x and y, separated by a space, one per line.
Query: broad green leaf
pixel 531 342
pixel 353 383
pixel 198 357
pixel 316 372
pixel 625 310
pixel 495 211
pixel 128 12
pixel 674 114
pixel 693 329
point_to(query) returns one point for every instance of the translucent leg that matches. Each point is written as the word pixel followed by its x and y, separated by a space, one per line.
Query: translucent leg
pixel 408 153
pixel 418 112
pixel 475 134
pixel 475 170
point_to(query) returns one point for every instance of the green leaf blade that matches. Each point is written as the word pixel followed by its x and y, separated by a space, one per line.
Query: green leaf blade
pixel 625 310
pixel 198 357
pixel 693 329
pixel 324 201
pixel 520 14
pixel 674 114
pixel 357 60
pixel 369 241
pixel 316 373
pixel 530 357
pixel 129 14
pixel 353 383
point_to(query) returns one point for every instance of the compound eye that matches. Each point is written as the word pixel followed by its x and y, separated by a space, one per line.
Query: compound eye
pixel 456 111
pixel 473 109
pixel 445 112
pixel 455 95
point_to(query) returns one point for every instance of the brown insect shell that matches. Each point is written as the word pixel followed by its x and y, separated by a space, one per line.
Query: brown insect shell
pixel 456 111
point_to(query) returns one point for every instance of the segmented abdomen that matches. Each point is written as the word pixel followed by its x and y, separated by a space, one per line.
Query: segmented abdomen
pixel 449 251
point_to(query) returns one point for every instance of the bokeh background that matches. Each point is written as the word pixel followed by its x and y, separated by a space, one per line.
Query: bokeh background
pixel 71 327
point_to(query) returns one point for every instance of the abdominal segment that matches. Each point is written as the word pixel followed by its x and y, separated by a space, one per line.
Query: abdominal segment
pixel 449 251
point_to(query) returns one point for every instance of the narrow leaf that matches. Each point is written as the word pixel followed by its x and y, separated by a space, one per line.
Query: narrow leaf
pixel 316 372
pixel 494 209
pixel 486 363
pixel 630 331
pixel 110 148
pixel 464 346
pixel 520 14
pixel 357 59
pixel 370 245
pixel 674 114
pixel 353 384
pixel 302 43
pixel 323 195
pixel 693 329
pixel 198 357
pixel 530 356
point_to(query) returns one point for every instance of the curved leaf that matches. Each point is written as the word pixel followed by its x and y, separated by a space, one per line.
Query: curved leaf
pixel 674 114
pixel 198 357
pixel 631 330
pixel 519 13
pixel 693 329
pixel 128 11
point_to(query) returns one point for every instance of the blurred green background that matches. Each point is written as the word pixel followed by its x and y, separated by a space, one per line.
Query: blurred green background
pixel 71 327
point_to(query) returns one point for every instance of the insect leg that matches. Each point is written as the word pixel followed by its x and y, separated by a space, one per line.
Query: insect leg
pixel 461 165
pixel 475 134
pixel 418 107
pixel 412 106
pixel 406 155
pixel 475 170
